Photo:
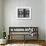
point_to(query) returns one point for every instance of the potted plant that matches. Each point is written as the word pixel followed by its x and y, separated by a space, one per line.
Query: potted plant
pixel 2 37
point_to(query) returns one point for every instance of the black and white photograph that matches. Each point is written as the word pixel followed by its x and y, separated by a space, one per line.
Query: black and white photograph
pixel 23 12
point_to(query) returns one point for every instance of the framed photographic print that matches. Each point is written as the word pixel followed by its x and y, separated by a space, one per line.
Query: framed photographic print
pixel 23 12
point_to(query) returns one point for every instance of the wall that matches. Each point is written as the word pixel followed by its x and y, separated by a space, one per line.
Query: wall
pixel 37 15
pixel 45 19
pixel 0 18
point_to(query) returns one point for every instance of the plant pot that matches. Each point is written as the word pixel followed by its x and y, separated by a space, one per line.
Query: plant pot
pixel 3 41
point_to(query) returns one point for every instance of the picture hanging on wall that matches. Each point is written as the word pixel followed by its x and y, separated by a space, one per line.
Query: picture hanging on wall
pixel 23 12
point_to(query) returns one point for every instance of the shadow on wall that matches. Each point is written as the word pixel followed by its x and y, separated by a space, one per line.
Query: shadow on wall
pixel 1 34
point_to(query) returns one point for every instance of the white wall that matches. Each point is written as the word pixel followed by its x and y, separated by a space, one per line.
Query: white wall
pixel 0 11
pixel 0 18
pixel 37 15
pixel 45 19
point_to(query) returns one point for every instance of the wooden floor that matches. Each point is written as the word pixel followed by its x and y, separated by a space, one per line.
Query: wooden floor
pixel 40 42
